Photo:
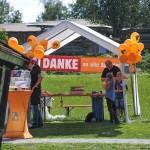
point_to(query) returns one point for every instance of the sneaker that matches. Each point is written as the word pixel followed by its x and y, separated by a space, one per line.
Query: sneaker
pixel 118 121
pixel 33 127
pixel 111 122
pixel 29 125
pixel 40 126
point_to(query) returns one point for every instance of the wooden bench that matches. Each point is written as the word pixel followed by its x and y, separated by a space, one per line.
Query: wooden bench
pixel 71 107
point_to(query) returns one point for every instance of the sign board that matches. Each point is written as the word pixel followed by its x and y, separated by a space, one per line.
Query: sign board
pixel 75 63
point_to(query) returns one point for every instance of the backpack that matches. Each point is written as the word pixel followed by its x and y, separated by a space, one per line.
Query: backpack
pixel 90 117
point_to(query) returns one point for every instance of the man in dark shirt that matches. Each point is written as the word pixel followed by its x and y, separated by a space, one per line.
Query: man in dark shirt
pixel 36 79
pixel 110 68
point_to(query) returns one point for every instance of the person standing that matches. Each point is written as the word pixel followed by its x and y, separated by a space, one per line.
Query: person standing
pixel 110 68
pixel 119 96
pixel 110 97
pixel 36 79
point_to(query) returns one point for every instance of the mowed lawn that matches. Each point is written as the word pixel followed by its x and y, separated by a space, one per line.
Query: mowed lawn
pixel 75 127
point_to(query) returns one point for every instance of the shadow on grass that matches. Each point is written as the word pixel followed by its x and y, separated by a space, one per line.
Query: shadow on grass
pixel 76 129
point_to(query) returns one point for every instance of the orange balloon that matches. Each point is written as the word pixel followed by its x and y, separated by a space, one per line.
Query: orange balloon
pixel 138 58
pixel 135 37
pixel 39 53
pixel 132 57
pixel 123 49
pixel 129 62
pixel 44 43
pixel 13 42
pixel 55 44
pixel 123 59
pixel 38 47
pixel 20 48
pixel 141 46
pixel 30 54
pixel 134 48
pixel 128 42
pixel 132 68
pixel 104 84
pixel 31 40
pixel 33 47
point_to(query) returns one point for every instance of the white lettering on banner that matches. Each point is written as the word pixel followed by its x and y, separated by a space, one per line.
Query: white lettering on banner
pixel 68 65
pixel 61 64
pixel 46 62
pixel 94 64
pixel 58 63
pixel 75 64
pixel 53 63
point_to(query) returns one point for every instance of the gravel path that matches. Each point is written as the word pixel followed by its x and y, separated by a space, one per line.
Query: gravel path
pixel 76 140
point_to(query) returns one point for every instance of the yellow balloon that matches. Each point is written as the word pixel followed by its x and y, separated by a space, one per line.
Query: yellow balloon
pixel 31 40
pixel 39 53
pixel 123 59
pixel 135 37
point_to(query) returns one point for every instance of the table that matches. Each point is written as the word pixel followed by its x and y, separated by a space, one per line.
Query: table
pixel 67 107
pixel 17 117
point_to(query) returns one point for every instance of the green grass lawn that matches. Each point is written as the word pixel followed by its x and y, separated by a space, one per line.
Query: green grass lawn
pixel 75 126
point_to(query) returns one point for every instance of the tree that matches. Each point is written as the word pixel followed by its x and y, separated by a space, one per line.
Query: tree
pixel 15 17
pixel 116 13
pixel 54 10
pixel 3 35
pixel 7 13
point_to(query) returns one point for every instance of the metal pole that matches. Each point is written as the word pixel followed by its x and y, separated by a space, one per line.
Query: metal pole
pixel 4 88
pixel 132 91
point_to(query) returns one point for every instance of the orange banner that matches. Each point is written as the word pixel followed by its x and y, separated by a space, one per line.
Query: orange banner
pixel 95 64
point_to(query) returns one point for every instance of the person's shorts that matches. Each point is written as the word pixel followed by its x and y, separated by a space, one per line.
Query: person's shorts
pixel 119 103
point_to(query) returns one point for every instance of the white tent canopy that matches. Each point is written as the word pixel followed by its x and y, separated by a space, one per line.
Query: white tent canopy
pixel 67 31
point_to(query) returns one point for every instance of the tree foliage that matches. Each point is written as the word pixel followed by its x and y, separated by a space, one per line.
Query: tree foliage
pixel 117 13
pixel 53 10
pixel 3 35
pixel 7 13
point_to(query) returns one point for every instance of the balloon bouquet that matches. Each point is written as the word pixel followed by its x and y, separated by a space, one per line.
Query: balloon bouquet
pixel 37 49
pixel 130 51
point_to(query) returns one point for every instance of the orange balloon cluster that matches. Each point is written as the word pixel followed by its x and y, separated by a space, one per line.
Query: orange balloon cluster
pixel 13 43
pixel 37 49
pixel 130 50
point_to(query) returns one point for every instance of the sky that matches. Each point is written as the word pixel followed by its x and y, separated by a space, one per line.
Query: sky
pixel 30 9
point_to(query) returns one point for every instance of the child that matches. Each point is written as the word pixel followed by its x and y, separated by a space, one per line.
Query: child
pixel 119 96
pixel 110 97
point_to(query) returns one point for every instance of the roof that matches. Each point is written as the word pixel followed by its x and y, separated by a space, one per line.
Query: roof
pixel 19 27
pixel 67 31
pixel 36 26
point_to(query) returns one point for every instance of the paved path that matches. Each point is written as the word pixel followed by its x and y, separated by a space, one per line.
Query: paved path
pixel 76 140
